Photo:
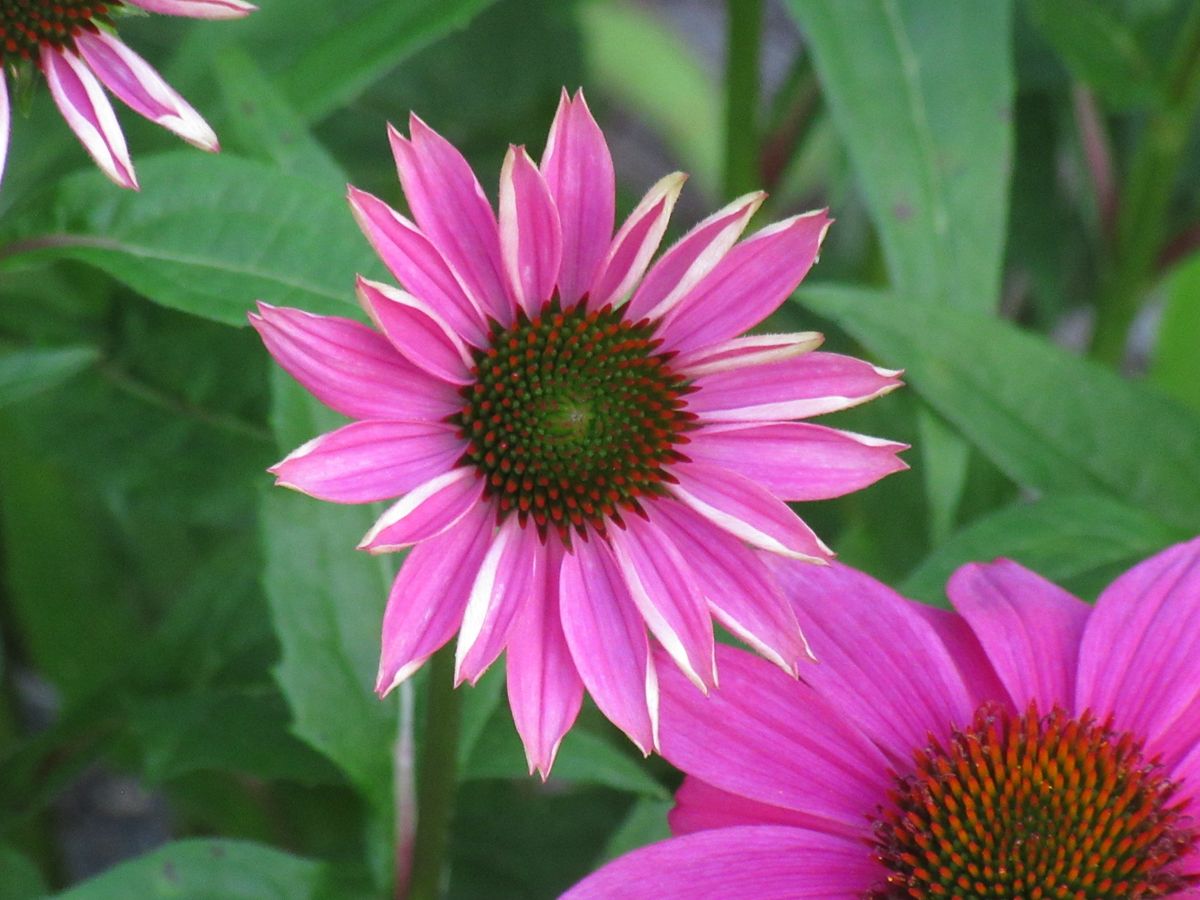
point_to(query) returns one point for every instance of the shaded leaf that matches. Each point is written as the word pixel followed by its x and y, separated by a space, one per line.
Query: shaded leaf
pixel 28 371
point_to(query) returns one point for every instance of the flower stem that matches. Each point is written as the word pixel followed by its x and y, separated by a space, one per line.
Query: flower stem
pixel 1145 198
pixel 741 96
pixel 436 778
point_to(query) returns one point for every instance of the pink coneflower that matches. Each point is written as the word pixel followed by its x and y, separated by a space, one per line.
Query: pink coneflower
pixel 72 43
pixel 1028 746
pixel 584 448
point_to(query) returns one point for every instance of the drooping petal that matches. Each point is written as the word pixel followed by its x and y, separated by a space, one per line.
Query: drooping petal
pixel 429 595
pixel 798 461
pixel 507 577
pixel 808 385
pixel 367 461
pixel 416 330
pixel 544 689
pixel 142 89
pixel 607 639
pixel 426 511
pixel 768 737
pixel 750 350
pixel 635 242
pixel 747 285
pixel 881 664
pixel 699 806
pixel 1140 655
pixel 82 103
pixel 746 510
pixel 449 204
pixel 579 173
pixel 741 592
pixel 351 368
pixel 198 9
pixel 668 595
pixel 1029 627
pixel 693 257
pixel 5 122
pixel 530 233
pixel 417 264
pixel 765 862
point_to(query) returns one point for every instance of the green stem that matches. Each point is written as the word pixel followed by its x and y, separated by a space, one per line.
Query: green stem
pixel 741 97
pixel 1146 196
pixel 436 778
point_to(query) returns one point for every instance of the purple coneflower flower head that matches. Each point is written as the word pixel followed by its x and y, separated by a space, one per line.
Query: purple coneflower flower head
pixel 72 42
pixel 584 445
pixel 1028 745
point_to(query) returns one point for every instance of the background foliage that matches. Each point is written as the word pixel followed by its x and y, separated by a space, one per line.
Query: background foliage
pixel 187 653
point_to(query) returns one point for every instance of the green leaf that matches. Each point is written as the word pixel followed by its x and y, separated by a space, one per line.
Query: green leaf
pixel 263 126
pixel 648 67
pixel 584 758
pixel 348 58
pixel 1097 48
pixel 208 235
pixel 327 602
pixel 224 730
pixel 208 870
pixel 22 880
pixel 645 824
pixel 1077 541
pixel 1048 420
pixel 922 92
pixel 1176 366
pixel 28 371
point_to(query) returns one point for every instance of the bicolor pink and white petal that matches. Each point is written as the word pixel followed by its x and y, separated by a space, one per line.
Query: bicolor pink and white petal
pixel 1027 735
pixel 73 44
pixel 584 447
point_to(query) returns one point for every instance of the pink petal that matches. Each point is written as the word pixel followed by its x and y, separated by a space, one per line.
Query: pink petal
pixel 451 208
pixel 417 264
pixel 635 243
pixel 668 596
pixel 741 593
pixel 767 737
pixel 607 639
pixel 198 9
pixel 418 332
pixel 699 806
pixel 746 510
pixel 797 461
pixel 5 122
pixel 747 285
pixel 796 388
pixel 425 511
pixel 1140 655
pixel 693 257
pixel 764 862
pixel 751 350
pixel 429 595
pixel 1029 628
pixel 82 103
pixel 351 368
pixel 514 564
pixel 979 678
pixel 881 664
pixel 367 461
pixel 530 233
pixel 579 174
pixel 544 690
pixel 142 89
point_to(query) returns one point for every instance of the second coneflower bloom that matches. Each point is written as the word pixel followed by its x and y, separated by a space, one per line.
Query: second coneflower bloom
pixel 584 445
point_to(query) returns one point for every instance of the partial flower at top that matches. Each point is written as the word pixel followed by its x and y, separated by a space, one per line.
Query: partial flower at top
pixel 583 444
pixel 72 42
pixel 1026 745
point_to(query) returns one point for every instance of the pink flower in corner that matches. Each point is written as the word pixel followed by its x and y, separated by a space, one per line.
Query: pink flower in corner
pixel 583 445
pixel 72 43
pixel 1029 745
